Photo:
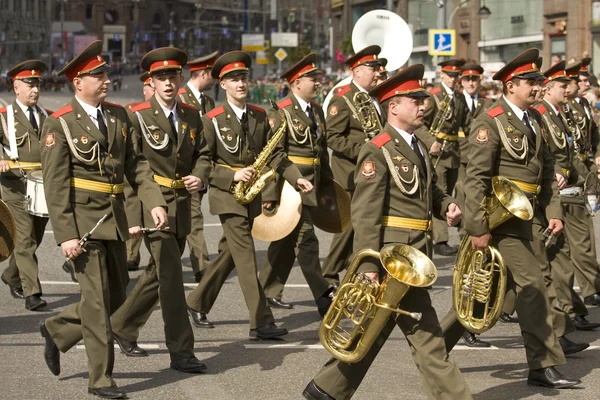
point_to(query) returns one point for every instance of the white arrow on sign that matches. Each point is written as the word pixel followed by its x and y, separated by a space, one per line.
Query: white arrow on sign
pixel 281 54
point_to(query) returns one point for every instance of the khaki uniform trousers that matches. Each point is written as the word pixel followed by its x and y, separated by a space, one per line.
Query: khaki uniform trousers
pixel 340 252
pixel 533 307
pixel 133 251
pixel 236 251
pixel 440 376
pixel 460 194
pixel 302 244
pixel 195 240
pixel 100 273
pixel 22 270
pixel 161 280
pixel 447 178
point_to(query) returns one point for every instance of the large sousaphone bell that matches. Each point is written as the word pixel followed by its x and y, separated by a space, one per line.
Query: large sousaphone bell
pixel 8 232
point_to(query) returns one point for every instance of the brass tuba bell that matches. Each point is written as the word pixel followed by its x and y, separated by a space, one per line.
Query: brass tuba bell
pixel 479 280
pixel 362 307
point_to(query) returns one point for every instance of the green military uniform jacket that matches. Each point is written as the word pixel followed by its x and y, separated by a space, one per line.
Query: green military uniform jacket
pixel 502 153
pixel 413 193
pixel 187 96
pixel 450 128
pixel 171 155
pixel 28 147
pixel 298 142
pixel 581 113
pixel 345 135
pixel 463 142
pixel 82 151
pixel 594 135
pixel 227 149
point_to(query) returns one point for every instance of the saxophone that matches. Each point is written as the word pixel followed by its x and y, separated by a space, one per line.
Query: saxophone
pixel 245 192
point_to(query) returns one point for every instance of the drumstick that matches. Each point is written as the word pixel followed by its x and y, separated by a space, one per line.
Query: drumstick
pixel 24 165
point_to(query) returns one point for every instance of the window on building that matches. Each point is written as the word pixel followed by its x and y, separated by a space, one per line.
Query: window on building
pixel 558 46
pixel 156 20
pixel 57 12
pixel 89 11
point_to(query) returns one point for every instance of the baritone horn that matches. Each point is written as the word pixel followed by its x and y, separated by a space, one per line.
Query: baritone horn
pixel 479 280
pixel 362 307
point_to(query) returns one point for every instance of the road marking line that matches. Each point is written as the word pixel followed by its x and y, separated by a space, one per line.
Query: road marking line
pixel 142 345
pixel 298 345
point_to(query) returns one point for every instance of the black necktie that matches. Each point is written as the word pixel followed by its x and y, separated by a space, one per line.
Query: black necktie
pixel 473 105
pixel 415 146
pixel 530 132
pixel 101 124
pixel 246 129
pixel 172 123
pixel 311 116
pixel 201 99
pixel 32 119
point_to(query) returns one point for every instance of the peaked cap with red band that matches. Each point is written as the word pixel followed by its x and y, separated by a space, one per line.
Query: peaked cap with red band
pixel 471 69
pixel 406 82
pixel 585 63
pixel 367 56
pixel 29 71
pixel 305 67
pixel 452 67
pixel 89 61
pixel 572 70
pixel 235 62
pixel 163 59
pixel 556 73
pixel 524 66
pixel 145 78
pixel 382 64
pixel 203 62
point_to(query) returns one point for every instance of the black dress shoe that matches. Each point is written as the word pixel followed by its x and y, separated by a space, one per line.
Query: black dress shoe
pixel 198 276
pixel 111 392
pixel 70 269
pixel 550 377
pixel 34 302
pixel 199 319
pixel 51 352
pixel 443 249
pixel 592 300
pixel 189 365
pixel 570 347
pixel 325 301
pixel 268 331
pixel 275 303
pixel 15 291
pixel 131 349
pixel 313 392
pixel 132 266
pixel 471 340
pixel 582 324
pixel 504 317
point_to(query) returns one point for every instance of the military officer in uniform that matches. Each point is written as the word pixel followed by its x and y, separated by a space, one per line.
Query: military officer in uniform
pixel 235 135
pixel 345 137
pixel 516 151
pixel 306 146
pixel 134 244
pixel 383 72
pixel 168 133
pixel 444 146
pixel 396 195
pixel 20 130
pixel 87 149
pixel 194 94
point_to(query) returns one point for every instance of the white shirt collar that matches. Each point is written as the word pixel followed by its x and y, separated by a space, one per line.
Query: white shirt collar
pixel 552 106
pixel 303 104
pixel 360 87
pixel 408 137
pixel 238 111
pixel 92 111
pixel 195 91
pixel 448 90
pixel 169 111
pixel 24 108
pixel 518 112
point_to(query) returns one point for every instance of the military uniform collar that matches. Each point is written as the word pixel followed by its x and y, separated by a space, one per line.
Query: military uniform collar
pixel 359 87
pixel 238 111
pixel 24 108
pixel 168 111
pixel 447 89
pixel 194 91
pixel 518 112
pixel 468 97
pixel 91 110
pixel 556 112
pixel 303 104
pixel 405 135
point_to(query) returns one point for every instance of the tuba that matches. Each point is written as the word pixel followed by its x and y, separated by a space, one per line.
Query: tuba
pixel 367 115
pixel 362 307
pixel 479 280
pixel 245 192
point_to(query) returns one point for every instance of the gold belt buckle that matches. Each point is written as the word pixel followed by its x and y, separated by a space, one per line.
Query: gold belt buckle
pixel 114 188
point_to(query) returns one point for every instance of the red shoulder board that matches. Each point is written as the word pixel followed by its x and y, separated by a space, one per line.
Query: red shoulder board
pixel 65 110
pixel 133 104
pixel 181 91
pixel 314 104
pixel 541 108
pixel 142 106
pixel 435 90
pixel 113 104
pixel 285 103
pixel 3 110
pixel 382 139
pixel 215 111
pixel 494 112
pixel 255 108
pixel 49 112
pixel 184 105
pixel 343 90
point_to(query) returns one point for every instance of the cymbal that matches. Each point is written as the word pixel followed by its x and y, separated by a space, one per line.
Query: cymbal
pixel 276 226
pixel 8 232
pixel 332 213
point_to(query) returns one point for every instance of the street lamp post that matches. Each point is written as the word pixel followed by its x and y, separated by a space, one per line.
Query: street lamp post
pixel 136 23
pixel 198 7
pixel 171 33
pixel 62 31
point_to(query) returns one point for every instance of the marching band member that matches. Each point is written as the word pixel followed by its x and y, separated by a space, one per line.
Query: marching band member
pixel 345 137
pixel 194 94
pixel 168 134
pixel 235 134
pixel 20 131
pixel 306 146
pixel 396 194
pixel 86 151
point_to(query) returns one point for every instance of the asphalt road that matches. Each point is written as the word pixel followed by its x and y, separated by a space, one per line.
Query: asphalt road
pixel 240 368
